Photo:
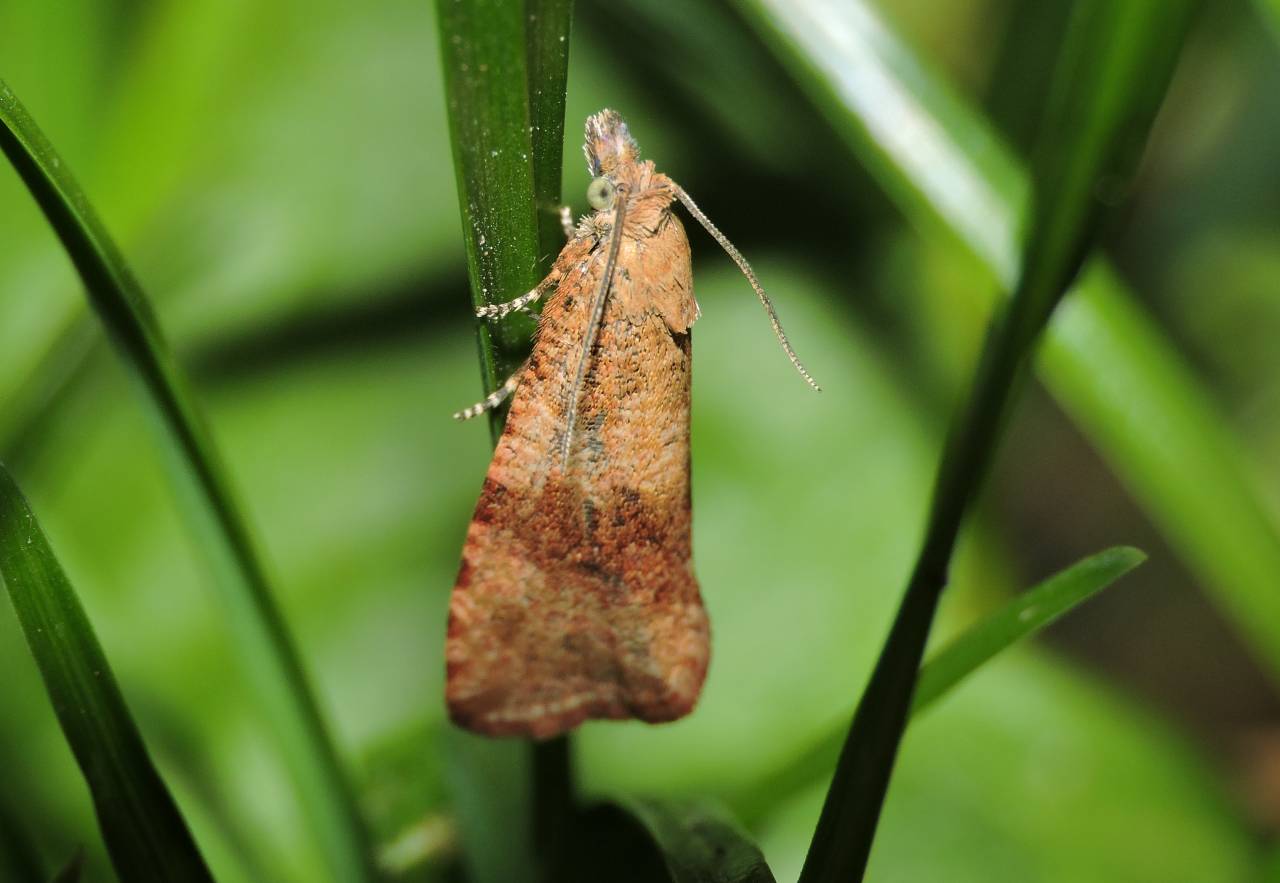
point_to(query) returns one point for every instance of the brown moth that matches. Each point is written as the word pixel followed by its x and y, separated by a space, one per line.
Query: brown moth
pixel 576 597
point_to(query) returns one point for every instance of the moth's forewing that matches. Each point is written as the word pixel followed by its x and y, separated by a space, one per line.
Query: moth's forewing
pixel 576 597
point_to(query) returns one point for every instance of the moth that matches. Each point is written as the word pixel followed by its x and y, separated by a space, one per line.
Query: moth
pixel 576 596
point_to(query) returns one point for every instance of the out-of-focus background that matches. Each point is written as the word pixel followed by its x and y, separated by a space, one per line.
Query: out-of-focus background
pixel 279 175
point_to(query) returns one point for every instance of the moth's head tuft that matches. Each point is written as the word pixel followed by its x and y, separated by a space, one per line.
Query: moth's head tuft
pixel 609 143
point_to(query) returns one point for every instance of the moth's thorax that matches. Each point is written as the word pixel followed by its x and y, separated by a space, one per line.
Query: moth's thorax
pixel 649 195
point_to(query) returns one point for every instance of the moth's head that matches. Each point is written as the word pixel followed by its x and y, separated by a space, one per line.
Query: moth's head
pixel 609 144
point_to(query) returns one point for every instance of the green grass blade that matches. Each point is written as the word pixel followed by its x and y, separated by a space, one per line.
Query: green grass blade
pixel 143 830
pixel 1047 600
pixel 1109 82
pixel 505 69
pixel 1023 616
pixel 485 56
pixel 1138 402
pixel 272 661
pixel 931 153
pixel 1211 512
pixel 547 56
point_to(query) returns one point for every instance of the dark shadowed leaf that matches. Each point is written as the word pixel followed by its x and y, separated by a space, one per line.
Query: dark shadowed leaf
pixel 669 840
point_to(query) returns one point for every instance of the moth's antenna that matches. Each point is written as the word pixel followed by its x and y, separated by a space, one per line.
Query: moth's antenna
pixel 597 314
pixel 751 277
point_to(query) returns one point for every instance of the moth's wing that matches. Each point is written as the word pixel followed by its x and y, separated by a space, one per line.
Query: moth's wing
pixel 672 290
pixel 576 597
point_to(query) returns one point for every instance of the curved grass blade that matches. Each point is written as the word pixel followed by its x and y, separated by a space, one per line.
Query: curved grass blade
pixel 548 23
pixel 141 826
pixel 1022 618
pixel 272 661
pixel 1105 361
pixel 695 842
pixel 486 56
pixel 505 69
pixel 1111 77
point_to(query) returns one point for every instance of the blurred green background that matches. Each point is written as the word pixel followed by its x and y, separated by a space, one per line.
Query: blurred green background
pixel 279 175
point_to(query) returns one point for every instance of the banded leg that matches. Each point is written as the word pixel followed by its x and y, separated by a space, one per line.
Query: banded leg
pixel 495 398
pixel 566 221
pixel 498 311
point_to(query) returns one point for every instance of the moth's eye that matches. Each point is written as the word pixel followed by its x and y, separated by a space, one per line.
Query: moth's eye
pixel 600 193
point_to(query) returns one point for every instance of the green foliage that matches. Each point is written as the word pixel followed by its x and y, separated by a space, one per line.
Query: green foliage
pixel 1109 82
pixel 282 181
pixel 696 842
pixel 1022 617
pixel 140 823
pixel 264 640
pixel 505 67
pixel 1110 367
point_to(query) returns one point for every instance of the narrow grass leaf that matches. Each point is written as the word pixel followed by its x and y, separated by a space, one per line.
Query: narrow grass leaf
pixel 1022 618
pixel 489 784
pixel 505 69
pixel 272 661
pixel 1110 78
pixel 949 173
pixel 1025 615
pixel 548 24
pixel 143 830
pixel 485 54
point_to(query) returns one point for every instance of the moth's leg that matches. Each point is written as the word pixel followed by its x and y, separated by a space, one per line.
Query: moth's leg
pixel 497 397
pixel 566 221
pixel 497 311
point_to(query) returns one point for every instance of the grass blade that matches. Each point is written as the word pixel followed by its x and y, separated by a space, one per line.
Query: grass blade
pixel 1176 451
pixel 485 56
pixel 1112 75
pixel 547 56
pixel 273 662
pixel 1107 363
pixel 1023 616
pixel 505 69
pixel 1049 600
pixel 143 830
